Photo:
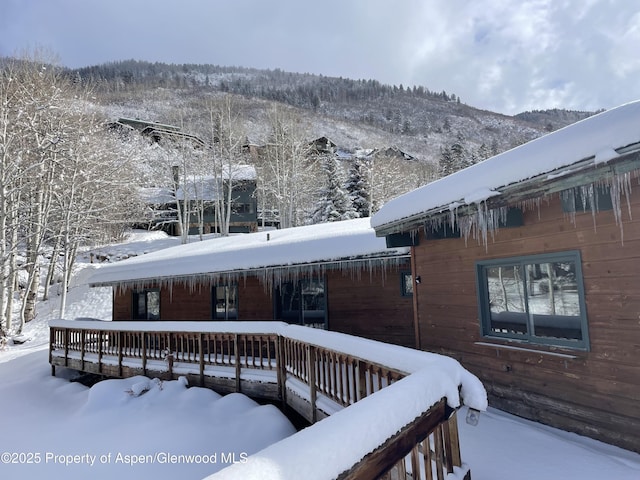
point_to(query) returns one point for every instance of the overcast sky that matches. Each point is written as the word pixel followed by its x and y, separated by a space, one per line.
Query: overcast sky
pixel 502 55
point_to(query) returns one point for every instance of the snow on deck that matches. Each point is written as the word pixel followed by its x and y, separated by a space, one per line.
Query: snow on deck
pixel 367 424
pixel 598 136
pixel 399 358
pixel 327 242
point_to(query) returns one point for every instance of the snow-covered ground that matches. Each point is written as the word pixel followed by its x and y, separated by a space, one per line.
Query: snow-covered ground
pixel 172 431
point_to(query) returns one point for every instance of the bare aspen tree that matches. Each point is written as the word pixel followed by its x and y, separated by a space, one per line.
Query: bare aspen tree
pixel 36 115
pixel 57 184
pixel 389 177
pixel 227 137
pixel 287 170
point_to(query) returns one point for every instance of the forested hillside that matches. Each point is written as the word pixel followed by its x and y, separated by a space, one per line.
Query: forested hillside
pixel 354 113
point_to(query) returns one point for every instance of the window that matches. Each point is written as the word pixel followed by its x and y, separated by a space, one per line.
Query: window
pixel 537 299
pixel 585 199
pixel 302 302
pixel 406 284
pixel 146 305
pixel 225 302
pixel 243 208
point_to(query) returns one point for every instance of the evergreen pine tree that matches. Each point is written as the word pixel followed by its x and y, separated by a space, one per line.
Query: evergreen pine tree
pixel 333 204
pixel 446 162
pixel 358 189
pixel 483 152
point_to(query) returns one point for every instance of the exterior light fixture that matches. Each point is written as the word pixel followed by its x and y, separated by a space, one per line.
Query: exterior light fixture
pixel 473 417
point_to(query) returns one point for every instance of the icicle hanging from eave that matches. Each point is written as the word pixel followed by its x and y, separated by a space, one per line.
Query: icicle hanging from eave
pixel 270 277
pixel 484 220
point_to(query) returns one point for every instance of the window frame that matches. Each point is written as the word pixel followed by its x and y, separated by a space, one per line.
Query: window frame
pixel 135 302
pixel 297 292
pixel 214 298
pixel 404 291
pixel 529 337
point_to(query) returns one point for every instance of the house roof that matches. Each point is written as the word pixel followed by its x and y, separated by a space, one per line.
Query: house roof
pixel 199 187
pixel 283 253
pixel 591 148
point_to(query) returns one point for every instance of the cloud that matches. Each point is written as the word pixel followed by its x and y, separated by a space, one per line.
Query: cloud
pixel 496 54
pixel 514 56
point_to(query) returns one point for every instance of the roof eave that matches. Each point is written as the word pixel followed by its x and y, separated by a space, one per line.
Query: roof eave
pixel 583 172
pixel 258 271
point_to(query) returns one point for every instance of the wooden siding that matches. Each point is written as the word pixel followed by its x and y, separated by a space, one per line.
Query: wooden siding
pixel 371 307
pixel 182 303
pixel 254 301
pixel 594 393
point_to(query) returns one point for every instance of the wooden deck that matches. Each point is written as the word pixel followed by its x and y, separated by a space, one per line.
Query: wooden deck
pixel 312 380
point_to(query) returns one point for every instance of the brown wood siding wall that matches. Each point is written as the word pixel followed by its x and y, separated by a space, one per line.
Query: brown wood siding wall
pixel 371 307
pixel 254 301
pixel 181 303
pixel 122 304
pixel 597 393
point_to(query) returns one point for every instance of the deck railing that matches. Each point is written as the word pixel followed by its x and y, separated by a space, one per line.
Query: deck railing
pixel 314 380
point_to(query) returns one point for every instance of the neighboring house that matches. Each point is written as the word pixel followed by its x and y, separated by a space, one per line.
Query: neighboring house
pixel 393 152
pixel 322 145
pixel 528 271
pixel 338 276
pixel 203 194
pixel 157 131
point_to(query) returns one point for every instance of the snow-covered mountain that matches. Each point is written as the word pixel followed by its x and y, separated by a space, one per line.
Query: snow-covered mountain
pixel 353 113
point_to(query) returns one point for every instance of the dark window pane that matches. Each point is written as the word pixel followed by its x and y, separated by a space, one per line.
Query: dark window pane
pixel 226 298
pixel 141 305
pixel 303 302
pixel 554 302
pixel 507 308
pixel 290 302
pixel 312 301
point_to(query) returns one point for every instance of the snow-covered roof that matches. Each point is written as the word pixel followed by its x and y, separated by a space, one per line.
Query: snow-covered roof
pixel 200 187
pixel 313 246
pixel 156 195
pixel 597 140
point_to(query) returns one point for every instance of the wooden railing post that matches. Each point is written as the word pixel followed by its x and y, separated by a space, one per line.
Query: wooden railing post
pixel 52 336
pixel 362 381
pixel 143 345
pixel 120 347
pixel 311 375
pixel 281 369
pixel 453 440
pixel 83 339
pixel 170 350
pixel 66 347
pixel 201 357
pixel 236 349
pixel 100 348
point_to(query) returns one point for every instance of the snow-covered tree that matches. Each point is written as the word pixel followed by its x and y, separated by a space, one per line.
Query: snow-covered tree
pixel 287 174
pixel 228 136
pixel 333 202
pixel 358 189
pixel 48 132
